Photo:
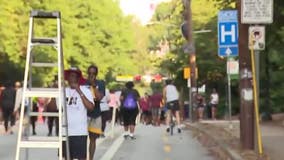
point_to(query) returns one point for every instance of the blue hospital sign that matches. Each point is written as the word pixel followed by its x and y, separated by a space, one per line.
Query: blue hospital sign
pixel 228 33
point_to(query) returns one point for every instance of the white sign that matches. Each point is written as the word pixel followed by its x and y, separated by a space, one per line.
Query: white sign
pixel 232 67
pixel 188 83
pixel 257 11
pixel 257 37
pixel 247 94
pixel 202 89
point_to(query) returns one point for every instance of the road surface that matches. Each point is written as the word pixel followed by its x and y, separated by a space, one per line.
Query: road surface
pixel 151 143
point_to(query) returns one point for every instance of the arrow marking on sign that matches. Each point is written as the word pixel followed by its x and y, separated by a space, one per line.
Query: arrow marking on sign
pixel 228 51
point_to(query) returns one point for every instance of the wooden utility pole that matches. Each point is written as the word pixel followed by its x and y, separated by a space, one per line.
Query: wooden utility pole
pixel 192 59
pixel 246 92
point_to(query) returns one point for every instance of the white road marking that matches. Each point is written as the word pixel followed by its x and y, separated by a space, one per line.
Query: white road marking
pixel 114 147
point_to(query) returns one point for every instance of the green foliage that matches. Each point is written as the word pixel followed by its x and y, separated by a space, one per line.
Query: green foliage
pixel 94 31
pixel 211 68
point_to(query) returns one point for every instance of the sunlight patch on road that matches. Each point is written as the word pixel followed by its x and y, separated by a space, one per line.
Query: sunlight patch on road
pixel 167 148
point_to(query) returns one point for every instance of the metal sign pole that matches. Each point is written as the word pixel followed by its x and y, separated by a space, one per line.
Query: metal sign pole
pixel 190 105
pixel 255 91
pixel 229 96
pixel 229 89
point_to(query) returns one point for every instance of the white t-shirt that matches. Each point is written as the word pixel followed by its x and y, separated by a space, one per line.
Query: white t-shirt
pixel 171 93
pixel 214 98
pixel 104 101
pixel 76 111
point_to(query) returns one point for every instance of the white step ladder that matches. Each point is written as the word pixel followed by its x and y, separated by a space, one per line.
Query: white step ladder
pixel 25 140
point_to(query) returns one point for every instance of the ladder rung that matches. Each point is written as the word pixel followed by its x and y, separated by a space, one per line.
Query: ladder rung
pixel 41 139
pixel 42 92
pixel 46 114
pixel 44 139
pixel 42 14
pixel 43 40
pixel 42 64
pixel 39 144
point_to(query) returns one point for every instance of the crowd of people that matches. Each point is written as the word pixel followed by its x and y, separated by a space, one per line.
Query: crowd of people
pixel 90 106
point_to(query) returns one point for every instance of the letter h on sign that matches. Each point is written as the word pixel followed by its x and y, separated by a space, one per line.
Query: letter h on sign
pixel 231 34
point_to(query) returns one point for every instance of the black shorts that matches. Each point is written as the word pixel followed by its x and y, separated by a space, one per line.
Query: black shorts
pixel 213 105
pixel 129 116
pixel 146 113
pixel 77 147
pixel 173 105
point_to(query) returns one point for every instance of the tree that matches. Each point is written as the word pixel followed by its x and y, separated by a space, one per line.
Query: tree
pixel 91 34
pixel 211 68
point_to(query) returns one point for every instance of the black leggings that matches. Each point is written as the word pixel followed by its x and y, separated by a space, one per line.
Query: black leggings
pixel 129 116
pixel 8 116
pixel 50 121
pixel 105 118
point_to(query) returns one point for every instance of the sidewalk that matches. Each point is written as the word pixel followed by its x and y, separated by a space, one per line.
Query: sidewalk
pixel 273 139
pixel 225 142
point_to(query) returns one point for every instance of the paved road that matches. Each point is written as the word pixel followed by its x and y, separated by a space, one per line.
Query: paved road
pixel 152 143
pixel 273 140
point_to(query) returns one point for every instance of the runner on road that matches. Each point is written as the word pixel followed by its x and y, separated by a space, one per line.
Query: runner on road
pixel 129 98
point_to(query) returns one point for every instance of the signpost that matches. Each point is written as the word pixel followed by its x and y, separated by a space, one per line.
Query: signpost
pixel 228 44
pixel 228 33
pixel 257 11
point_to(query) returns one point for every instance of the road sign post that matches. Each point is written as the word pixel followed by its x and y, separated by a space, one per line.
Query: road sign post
pixel 228 44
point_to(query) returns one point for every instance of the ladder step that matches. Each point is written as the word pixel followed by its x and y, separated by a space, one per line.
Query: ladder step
pixel 44 40
pixel 44 139
pixel 42 64
pixel 42 14
pixel 39 144
pixel 46 114
pixel 42 92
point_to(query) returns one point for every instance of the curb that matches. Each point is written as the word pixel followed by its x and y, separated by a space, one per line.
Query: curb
pixel 231 153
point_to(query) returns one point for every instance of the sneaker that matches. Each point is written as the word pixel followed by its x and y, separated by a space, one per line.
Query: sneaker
pixel 179 130
pixel 49 134
pixel 168 129
pixel 125 136
pixel 132 137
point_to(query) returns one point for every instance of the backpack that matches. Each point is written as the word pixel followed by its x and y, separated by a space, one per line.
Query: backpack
pixel 129 101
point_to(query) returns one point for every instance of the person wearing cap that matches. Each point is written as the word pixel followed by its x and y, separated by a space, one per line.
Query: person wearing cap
pixel 95 119
pixel 79 99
